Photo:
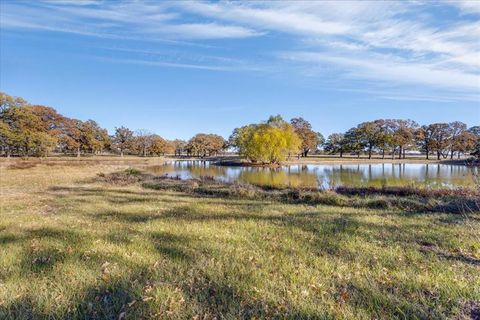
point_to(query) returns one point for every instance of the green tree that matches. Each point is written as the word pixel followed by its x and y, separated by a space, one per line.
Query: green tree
pixel 93 138
pixel 24 132
pixel 352 142
pixel 424 139
pixel 440 138
pixel 402 135
pixel 336 143
pixel 370 135
pixel 123 139
pixel 7 138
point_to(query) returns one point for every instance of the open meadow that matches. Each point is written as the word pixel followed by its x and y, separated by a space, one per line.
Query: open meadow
pixel 213 160
pixel 85 239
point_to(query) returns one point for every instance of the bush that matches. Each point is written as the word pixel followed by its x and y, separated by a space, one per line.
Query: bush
pixel 380 203
pixel 123 178
pixel 244 191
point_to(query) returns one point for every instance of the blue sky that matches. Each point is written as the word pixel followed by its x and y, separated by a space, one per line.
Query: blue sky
pixel 179 68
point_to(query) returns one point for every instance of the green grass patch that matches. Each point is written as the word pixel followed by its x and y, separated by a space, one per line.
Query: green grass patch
pixel 75 245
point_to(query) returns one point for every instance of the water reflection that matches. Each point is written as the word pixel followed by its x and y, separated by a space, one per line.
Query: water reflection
pixel 327 176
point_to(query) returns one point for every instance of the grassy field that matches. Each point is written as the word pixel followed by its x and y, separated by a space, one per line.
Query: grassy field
pixel 73 246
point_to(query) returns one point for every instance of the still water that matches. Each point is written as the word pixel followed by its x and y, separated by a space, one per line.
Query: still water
pixel 328 176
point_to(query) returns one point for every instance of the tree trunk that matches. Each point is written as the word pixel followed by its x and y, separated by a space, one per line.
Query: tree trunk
pixel 341 154
pixel 393 153
pixel 438 155
pixel 370 152
pixel 400 152
pixel 383 153
pixel 78 152
pixel 458 154
pixel 451 154
pixel 121 153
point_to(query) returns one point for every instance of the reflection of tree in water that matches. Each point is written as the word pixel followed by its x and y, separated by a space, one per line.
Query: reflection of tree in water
pixel 397 175
pixel 442 176
pixel 343 176
pixel 188 169
pixel 279 178
pixel 312 176
pixel 213 171
pixel 161 169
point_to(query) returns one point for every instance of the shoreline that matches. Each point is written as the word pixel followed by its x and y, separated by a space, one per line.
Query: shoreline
pixel 233 160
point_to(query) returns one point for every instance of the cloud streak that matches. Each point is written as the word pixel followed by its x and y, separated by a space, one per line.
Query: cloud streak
pixel 395 44
pixel 134 20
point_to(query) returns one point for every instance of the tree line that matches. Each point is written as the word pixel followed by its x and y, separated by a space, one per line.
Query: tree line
pixel 35 130
pixel 396 137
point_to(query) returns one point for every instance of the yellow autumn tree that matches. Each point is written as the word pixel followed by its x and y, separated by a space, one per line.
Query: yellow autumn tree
pixel 268 143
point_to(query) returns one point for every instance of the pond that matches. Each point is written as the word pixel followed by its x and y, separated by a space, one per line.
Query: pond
pixel 327 176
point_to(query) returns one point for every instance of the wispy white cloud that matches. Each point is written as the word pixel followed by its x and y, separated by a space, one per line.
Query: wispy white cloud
pixel 73 2
pixel 206 31
pixel 394 43
pixel 183 65
pixel 260 15
pixel 134 20
pixel 466 6
pixel 381 69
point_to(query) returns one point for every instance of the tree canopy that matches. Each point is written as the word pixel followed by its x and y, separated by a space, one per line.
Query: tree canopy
pixel 269 142
pixel 310 140
pixel 203 145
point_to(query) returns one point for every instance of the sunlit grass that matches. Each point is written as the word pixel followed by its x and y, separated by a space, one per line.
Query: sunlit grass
pixel 74 248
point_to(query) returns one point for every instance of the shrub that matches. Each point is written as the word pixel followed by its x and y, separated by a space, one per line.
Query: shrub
pixel 126 177
pixel 244 190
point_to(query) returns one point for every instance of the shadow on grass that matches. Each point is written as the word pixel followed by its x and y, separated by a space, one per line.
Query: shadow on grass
pixel 327 233
pixel 208 293
pixel 172 246
pixel 205 293
pixel 203 296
